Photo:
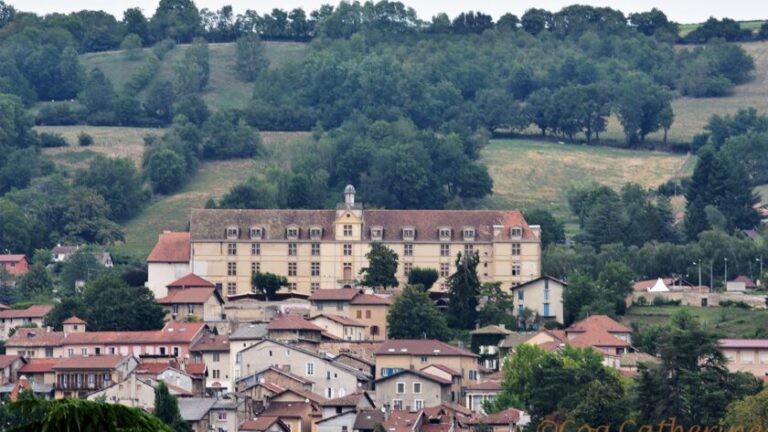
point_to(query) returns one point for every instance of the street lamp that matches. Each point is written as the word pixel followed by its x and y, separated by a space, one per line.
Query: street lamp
pixel 725 273
pixel 698 263
pixel 760 276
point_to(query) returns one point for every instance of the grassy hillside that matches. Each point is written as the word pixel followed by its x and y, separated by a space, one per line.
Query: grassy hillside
pixel 535 173
pixel 727 322
pixel 225 89
pixel 746 25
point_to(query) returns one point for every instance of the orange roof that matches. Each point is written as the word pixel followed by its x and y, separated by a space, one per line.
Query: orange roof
pixel 38 365
pixel 597 338
pixel 153 367
pixel 421 347
pixel 292 322
pixel 172 332
pixel 35 337
pixel 90 362
pixel 485 386
pixel 7 360
pixel 34 311
pixel 509 415
pixel 11 258
pixel 334 294
pixel 211 343
pixel 370 299
pixel 187 295
pixel 340 319
pixel 191 281
pixel 260 424
pixel 74 320
pixel 598 322
pixel 443 368
pixel 195 368
pixel 171 247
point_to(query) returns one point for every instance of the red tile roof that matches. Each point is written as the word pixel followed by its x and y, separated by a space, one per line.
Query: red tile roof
pixel 643 285
pixel 195 368
pixel 399 419
pixel 11 258
pixel 34 311
pixel 747 281
pixel 334 294
pixel 306 394
pixel 743 343
pixel 485 386
pixel 171 247
pixel 421 347
pixel 211 343
pixel 598 322
pixel 2 306
pixel 38 365
pixel 35 337
pixel 74 320
pixel 7 360
pixel 172 332
pixel 370 299
pixel 191 281
pixel 153 367
pixel 187 296
pixel 259 424
pixel 428 376
pixel 597 338
pixel 100 362
pixel 292 322
pixel 509 415
pixel 287 409
pixel 340 319
pixel 443 368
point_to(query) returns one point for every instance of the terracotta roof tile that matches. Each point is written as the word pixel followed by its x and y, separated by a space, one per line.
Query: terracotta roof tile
pixel 38 365
pixel 259 424
pixel 339 319
pixel 100 362
pixel 191 281
pixel 334 294
pixel 187 295
pixel 370 299
pixel 195 368
pixel 420 347
pixel 7 360
pixel 172 332
pixel 153 367
pixel 743 343
pixel 420 374
pixel 35 337
pixel 312 396
pixel 598 322
pixel 74 320
pixel 485 385
pixel 349 400
pixel 400 418
pixel 11 258
pixel 287 409
pixel 367 419
pixel 171 247
pixel 509 415
pixel 34 311
pixel 596 339
pixel 292 322
pixel 747 281
pixel 211 343
pixel 443 368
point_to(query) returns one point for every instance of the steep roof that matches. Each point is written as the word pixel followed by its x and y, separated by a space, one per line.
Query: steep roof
pixel 11 258
pixel 287 409
pixel 74 320
pixel 211 343
pixel 171 247
pixel 598 322
pixel 420 374
pixel 350 400
pixel 747 281
pixel 443 368
pixel 645 285
pixel 492 330
pixel 261 424
pixel 485 386
pixel 189 295
pixel 421 347
pixel 292 322
pixel 194 409
pixel 370 299
pixel 306 394
pixel 100 362
pixel 597 338
pixel 191 280
pixel 342 294
pixel 7 360
pixel 532 281
pixel 367 419
pixel 211 224
pixel 33 311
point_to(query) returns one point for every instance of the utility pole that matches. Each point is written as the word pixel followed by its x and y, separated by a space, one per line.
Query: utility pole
pixel 711 277
pixel 725 273
pixel 699 264
pixel 760 276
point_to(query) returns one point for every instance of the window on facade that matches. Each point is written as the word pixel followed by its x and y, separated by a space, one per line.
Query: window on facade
pixel 397 404
pixel 408 249
pixel 314 286
pixel 347 230
pixel 255 248
pixel 409 233
pixel 310 369
pixel 315 249
pixel 359 314
pixel 347 250
pixel 445 250
pixel 516 269
pixel 292 249
pixel 418 403
pixel 216 356
pixel 292 233
pixel 468 249
pixel 469 233
pixel 546 294
pixel 190 309
pixel 231 269
pixel 400 388
pixel 315 269
pixel 255 267
pixel 216 373
pixel 445 269
pixel 175 309
pixel 231 248
pixel 315 233
pixel 222 416
pixel 423 359
pixel 292 286
pixel 445 233
pixel 232 232
pixel 407 267
pixel 377 233
pixel 84 351
pixel 515 248
pixel 368 313
pixel 48 351
pixel 256 233
pixel 231 288
pixel 291 269
pixel 520 294
pixel 516 232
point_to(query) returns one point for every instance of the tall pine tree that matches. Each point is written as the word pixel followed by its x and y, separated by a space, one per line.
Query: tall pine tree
pixel 463 291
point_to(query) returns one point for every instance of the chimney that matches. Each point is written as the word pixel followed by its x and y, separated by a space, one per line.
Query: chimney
pixel 497 230
pixel 536 230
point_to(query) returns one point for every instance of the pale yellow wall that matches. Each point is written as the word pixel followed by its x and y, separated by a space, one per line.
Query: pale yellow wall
pixel 378 318
pixel 752 360
pixel 534 298
pixel 159 275
pixel 223 365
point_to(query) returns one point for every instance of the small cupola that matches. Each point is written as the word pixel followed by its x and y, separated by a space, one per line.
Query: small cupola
pixel 74 325
pixel 349 195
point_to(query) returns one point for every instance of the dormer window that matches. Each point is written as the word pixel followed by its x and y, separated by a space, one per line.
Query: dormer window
pixel 315 233
pixel 292 233
pixel 516 232
pixel 444 234
pixel 409 233
pixel 232 232
pixel 469 233
pixel 257 233
pixel 377 233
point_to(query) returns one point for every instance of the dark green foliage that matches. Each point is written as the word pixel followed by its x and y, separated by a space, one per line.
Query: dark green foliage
pixel 227 137
pixel 50 140
pixel 253 194
pixel 131 44
pixel 496 305
pixel 37 283
pixel 15 229
pixel 167 410
pixel 424 277
pixel 84 139
pixel 98 94
pixel 640 106
pixel 413 316
pixel 268 283
pixel 166 171
pixel 159 102
pixel 178 20
pixel 251 60
pixel 134 22
pixel 552 230
pixel 193 108
pixel 382 267
pixel 144 75
pixel 463 292
pixel 713 28
pixel 118 182
pixel 193 70
pixel 60 113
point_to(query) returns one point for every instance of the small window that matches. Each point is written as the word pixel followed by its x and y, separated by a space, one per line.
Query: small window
pixel 377 233
pixel 445 234
pixel 255 268
pixel 175 308
pixel 445 270
pixel 315 269
pixel 222 415
pixel 423 359
pixel 515 269
pixel 445 250
pixel 469 233
pixel 310 369
pixel 315 233
pixel 367 313
pixel 409 233
pixel 292 233
pixel 418 403
pixel 291 269
pixel 257 233
pixel 407 267
pixel 231 269
pixel 314 286
pixel 256 249
pixel 515 248
pixel 292 286
pixel 397 404
pixel 231 248
pixel 232 232
pixel 347 250
pixel 190 309
pixel 417 387
pixel 520 294
pixel 408 249
pixel 216 357
pixel 231 288
pixel 291 249
pixel 315 249
pixel 359 314
pixel 400 388
pixel 516 232
pixel 347 230
pixel 84 351
pixel 468 249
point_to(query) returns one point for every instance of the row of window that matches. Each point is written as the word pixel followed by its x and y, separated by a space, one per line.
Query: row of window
pixel 445 249
pixel 398 404
pixel 521 294
pixel 400 388
pixel 377 232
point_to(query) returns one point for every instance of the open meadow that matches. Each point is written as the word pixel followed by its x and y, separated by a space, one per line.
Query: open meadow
pixel 728 322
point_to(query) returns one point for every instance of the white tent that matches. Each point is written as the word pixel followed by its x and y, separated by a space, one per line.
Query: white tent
pixel 659 286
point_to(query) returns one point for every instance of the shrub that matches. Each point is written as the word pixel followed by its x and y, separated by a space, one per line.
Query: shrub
pixel 84 140
pixel 49 140
pixel 161 48
pixel 733 303
pixel 60 114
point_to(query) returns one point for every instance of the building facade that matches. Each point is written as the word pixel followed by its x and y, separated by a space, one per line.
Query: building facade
pixel 325 249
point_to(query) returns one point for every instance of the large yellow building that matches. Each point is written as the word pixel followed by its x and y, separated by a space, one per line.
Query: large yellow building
pixel 324 249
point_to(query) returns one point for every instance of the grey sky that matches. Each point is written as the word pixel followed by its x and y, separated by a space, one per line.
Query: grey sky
pixel 683 11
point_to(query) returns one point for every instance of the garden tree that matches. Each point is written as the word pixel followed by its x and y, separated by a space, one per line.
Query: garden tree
pixel 127 111
pixel 517 377
pixel 15 228
pixel 750 413
pixel 16 130
pixel 382 267
pixel 167 409
pixel 615 282
pixel 37 283
pixel 109 304
pixel 227 137
pixel 463 291
pixel 581 292
pixel 268 283
pixel 423 277
pixel 641 106
pixel 159 102
pixel 175 19
pixel 508 21
pixel 118 182
pixel 80 415
pixel 534 21
pixel 749 153
pixel 605 221
pixel 193 107
pixel 255 193
pixel 86 218
pixel 413 315
pixel 552 230
pixel 692 383
pixel 496 305
pixel 134 22
pixel 80 266
pixel 19 167
pixel 193 70
pixel 746 121
pixel 166 170
pixel 131 44
pixel 251 58
pixel 98 94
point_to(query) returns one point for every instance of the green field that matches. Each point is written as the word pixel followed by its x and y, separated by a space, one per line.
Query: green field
pixel 225 89
pixel 534 173
pixel 725 321
pixel 746 25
